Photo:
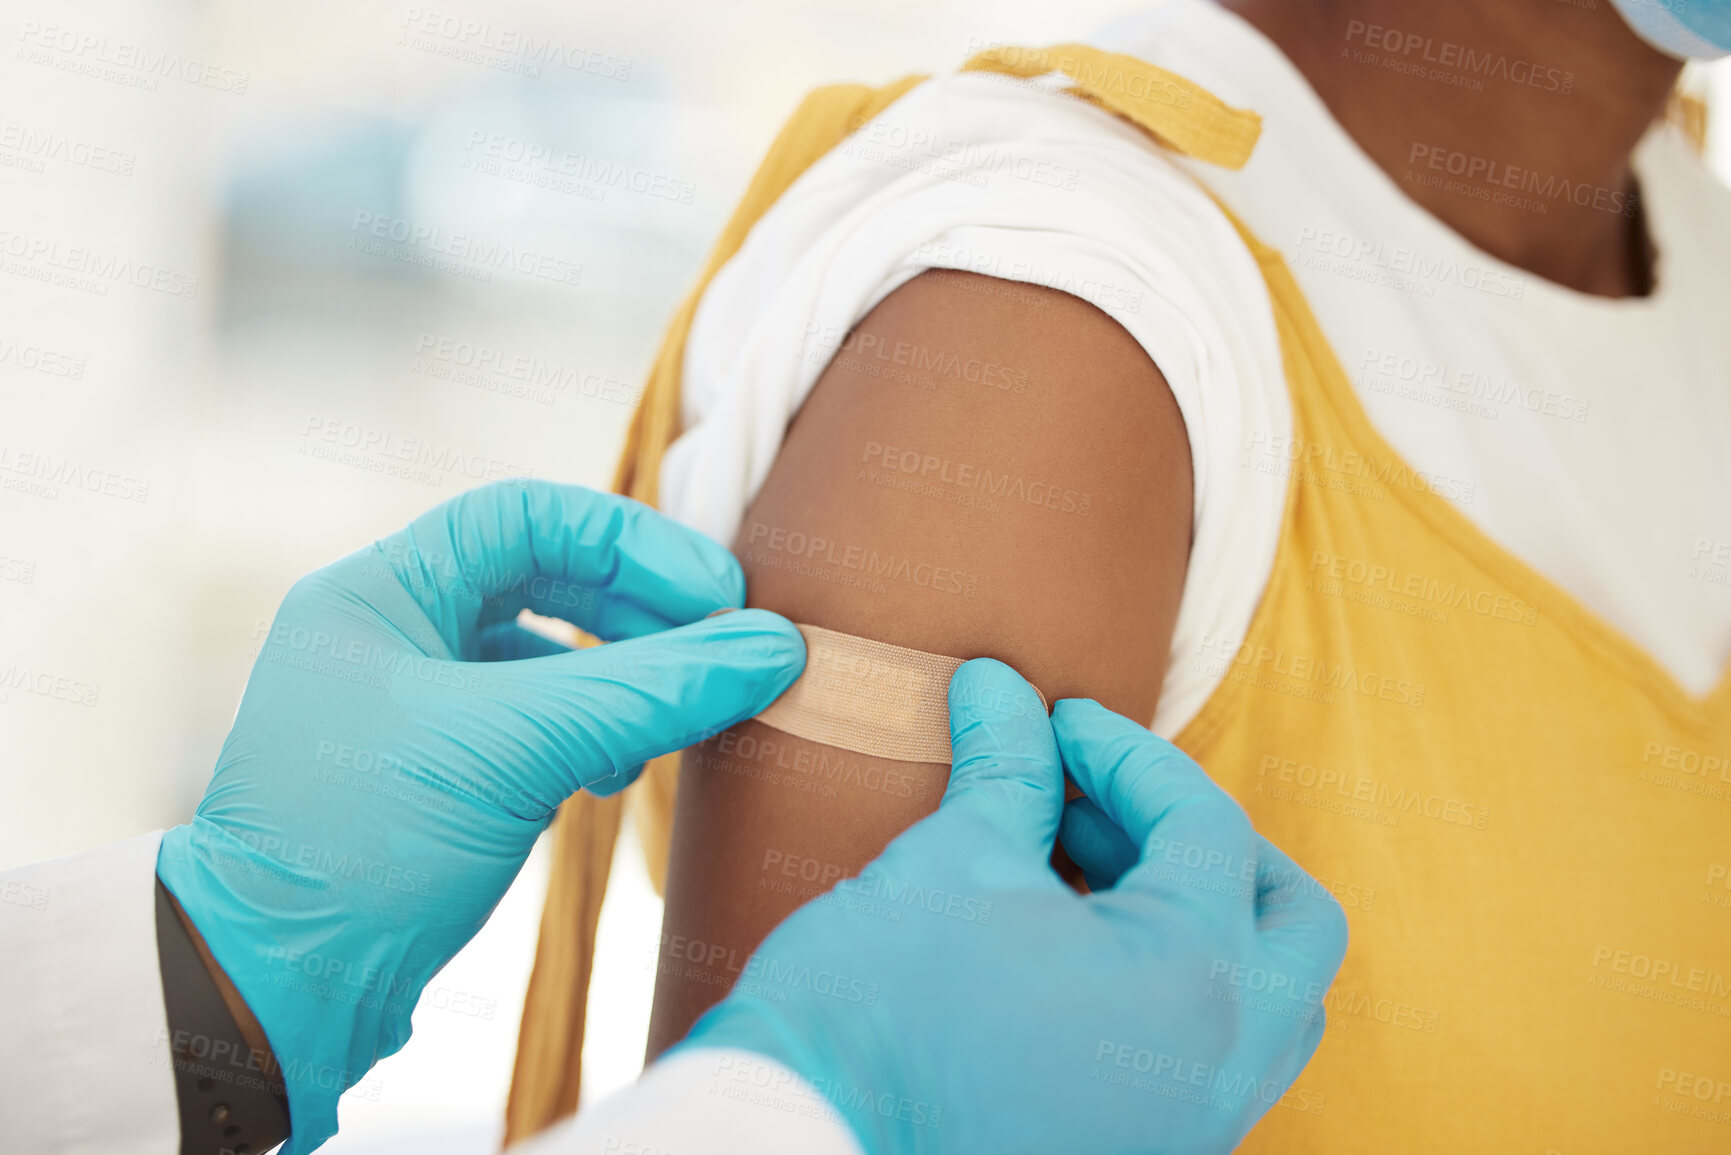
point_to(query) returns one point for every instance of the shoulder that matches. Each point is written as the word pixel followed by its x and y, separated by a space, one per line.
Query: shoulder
pixel 981 172
pixel 988 145
pixel 1037 191
pixel 985 468
pixel 990 104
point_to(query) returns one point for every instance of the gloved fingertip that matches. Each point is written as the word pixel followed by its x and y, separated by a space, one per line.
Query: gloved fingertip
pixel 774 637
pixel 724 568
pixel 1004 763
pixel 694 569
pixel 758 643
pixel 995 712
pixel 1097 743
pixel 1079 716
pixel 713 560
pixel 985 689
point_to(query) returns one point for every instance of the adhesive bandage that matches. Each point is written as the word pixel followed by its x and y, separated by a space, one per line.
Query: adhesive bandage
pixel 870 698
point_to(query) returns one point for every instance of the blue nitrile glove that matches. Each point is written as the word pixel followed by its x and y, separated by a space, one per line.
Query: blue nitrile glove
pixel 389 770
pixel 958 997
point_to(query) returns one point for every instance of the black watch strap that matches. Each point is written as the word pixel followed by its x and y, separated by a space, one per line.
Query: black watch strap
pixel 232 1098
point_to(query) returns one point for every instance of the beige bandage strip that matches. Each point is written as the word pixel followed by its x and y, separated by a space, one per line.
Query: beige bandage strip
pixel 869 697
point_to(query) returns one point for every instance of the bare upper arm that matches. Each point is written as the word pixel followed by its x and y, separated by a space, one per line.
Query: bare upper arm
pixel 986 469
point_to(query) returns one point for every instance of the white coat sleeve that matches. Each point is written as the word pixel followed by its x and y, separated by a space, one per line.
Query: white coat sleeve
pixel 706 1102
pixel 84 1056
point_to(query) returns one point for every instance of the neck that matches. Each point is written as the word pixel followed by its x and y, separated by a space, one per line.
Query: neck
pixel 1527 154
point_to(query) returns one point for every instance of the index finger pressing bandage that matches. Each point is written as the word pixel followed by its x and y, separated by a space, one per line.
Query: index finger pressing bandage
pixel 870 698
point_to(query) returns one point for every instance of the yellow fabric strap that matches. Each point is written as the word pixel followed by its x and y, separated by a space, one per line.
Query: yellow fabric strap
pixel 1181 115
pixel 870 698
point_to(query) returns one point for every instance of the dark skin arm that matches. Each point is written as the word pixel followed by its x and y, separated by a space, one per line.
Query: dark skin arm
pixel 1068 563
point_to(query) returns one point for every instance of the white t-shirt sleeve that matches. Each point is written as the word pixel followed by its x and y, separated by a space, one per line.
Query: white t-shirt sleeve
pixel 1012 180
pixel 706 1102
pixel 84 1057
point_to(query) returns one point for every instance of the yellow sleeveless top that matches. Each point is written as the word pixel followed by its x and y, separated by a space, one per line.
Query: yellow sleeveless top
pixel 1526 819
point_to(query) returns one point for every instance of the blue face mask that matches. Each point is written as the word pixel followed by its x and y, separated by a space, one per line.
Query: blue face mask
pixel 1686 29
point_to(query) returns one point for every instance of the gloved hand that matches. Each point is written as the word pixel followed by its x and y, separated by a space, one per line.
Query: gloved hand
pixel 389 770
pixel 957 997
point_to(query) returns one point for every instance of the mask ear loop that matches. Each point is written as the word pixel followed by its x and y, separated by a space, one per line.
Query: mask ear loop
pixel 870 698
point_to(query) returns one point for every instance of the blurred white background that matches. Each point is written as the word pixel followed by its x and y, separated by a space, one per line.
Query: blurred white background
pixel 229 162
